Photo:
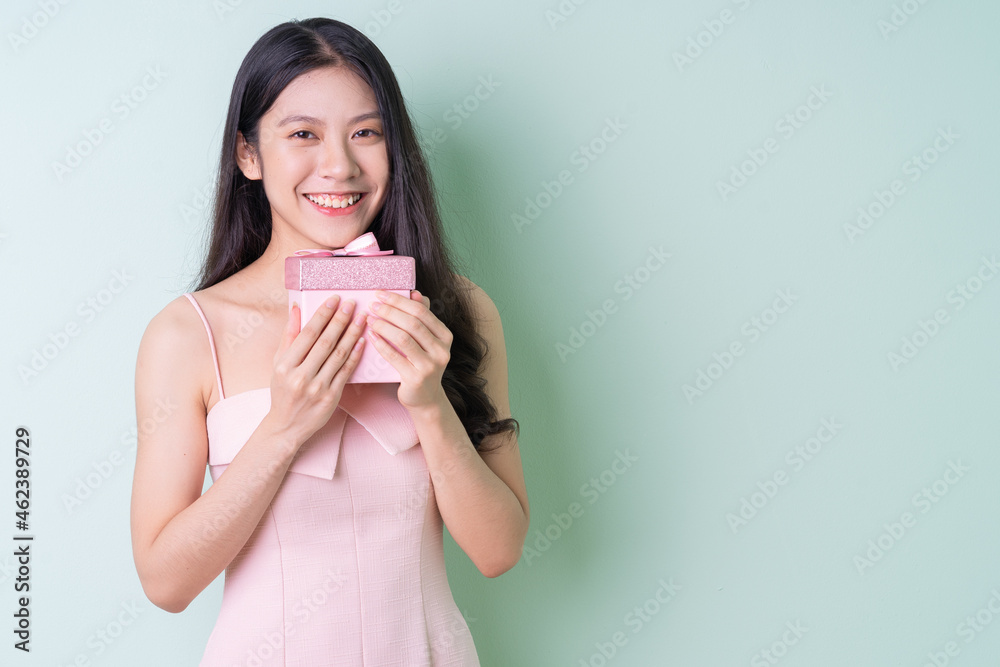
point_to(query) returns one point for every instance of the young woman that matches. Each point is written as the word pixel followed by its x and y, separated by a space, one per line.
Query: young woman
pixel 327 499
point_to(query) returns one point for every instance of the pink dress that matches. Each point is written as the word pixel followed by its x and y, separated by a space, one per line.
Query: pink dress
pixel 346 566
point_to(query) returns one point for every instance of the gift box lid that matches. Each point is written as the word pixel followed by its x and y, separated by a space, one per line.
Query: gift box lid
pixel 391 272
pixel 359 265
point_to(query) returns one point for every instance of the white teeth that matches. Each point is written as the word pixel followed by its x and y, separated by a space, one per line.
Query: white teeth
pixel 329 201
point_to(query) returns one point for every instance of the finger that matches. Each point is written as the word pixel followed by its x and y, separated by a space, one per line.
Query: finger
pixel 344 373
pixel 291 327
pixel 406 331
pixel 308 334
pixel 398 344
pixel 415 309
pixel 341 355
pixel 417 296
pixel 326 342
pixel 415 337
pixel 395 359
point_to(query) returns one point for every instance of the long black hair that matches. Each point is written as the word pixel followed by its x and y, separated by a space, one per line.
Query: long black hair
pixel 408 221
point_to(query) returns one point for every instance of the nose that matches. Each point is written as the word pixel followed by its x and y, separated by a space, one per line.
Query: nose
pixel 337 162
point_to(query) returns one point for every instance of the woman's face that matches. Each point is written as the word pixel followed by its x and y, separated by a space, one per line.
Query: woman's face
pixel 321 148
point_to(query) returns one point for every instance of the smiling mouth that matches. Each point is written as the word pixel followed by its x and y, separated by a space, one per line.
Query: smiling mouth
pixel 335 201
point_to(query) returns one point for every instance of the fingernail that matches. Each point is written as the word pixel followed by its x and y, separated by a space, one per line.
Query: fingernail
pixel 375 306
pixel 359 320
pixel 348 306
pixel 332 301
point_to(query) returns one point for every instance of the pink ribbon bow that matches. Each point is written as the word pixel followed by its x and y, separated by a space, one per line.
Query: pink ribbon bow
pixel 363 245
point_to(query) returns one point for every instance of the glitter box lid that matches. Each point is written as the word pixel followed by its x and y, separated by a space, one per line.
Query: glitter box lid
pixel 392 272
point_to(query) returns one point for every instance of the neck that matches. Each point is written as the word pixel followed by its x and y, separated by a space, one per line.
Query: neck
pixel 269 268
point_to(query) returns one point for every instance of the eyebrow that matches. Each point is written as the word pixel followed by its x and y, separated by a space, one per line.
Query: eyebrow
pixel 300 118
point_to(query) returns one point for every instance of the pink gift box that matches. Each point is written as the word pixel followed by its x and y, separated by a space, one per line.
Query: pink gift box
pixel 314 276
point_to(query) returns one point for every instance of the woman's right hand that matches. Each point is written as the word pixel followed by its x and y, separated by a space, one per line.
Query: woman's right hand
pixel 312 366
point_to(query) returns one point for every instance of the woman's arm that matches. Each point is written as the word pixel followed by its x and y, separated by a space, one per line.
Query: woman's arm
pixel 182 540
pixel 482 497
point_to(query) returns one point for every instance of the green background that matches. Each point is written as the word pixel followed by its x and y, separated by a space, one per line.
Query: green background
pixel 824 545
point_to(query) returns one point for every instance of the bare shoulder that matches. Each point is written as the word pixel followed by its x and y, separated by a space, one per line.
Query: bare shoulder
pixel 486 310
pixel 173 351
pixel 174 325
pixel 177 324
pixel 494 364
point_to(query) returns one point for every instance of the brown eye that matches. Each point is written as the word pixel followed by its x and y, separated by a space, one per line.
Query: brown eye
pixel 296 134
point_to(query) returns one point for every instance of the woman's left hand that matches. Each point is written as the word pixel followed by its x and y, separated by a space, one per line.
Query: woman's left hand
pixel 423 340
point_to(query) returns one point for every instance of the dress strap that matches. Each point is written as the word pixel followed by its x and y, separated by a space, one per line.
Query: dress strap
pixel 211 342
